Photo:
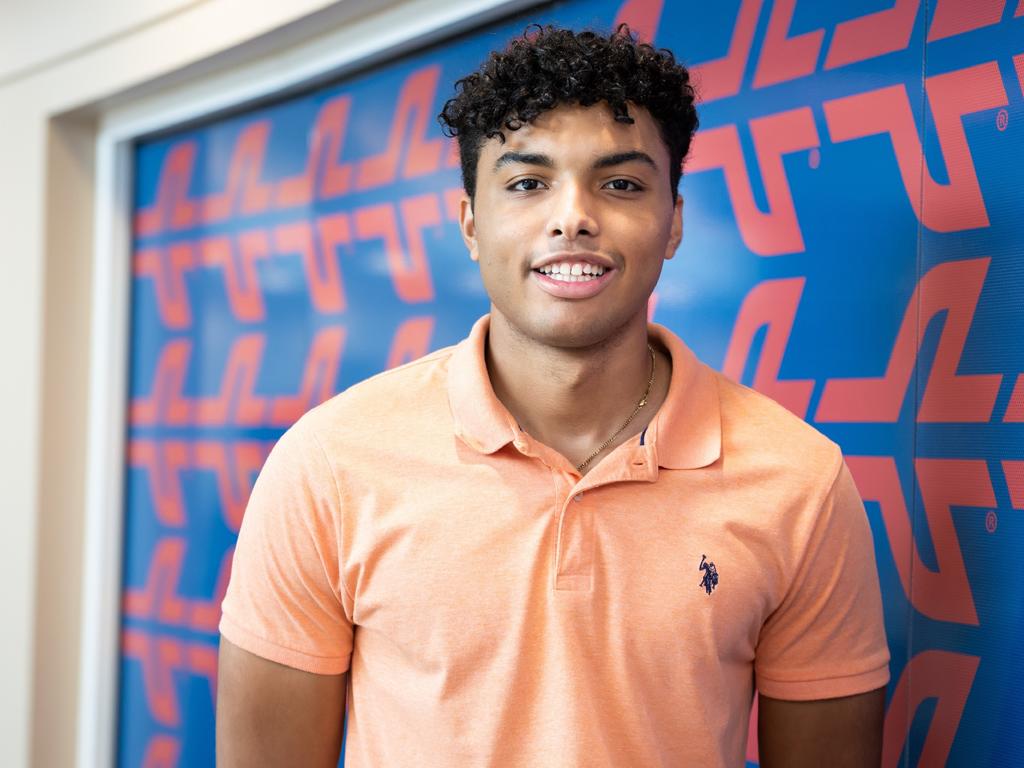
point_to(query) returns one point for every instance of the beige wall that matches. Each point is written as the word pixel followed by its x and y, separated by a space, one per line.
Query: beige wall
pixel 36 34
pixel 63 63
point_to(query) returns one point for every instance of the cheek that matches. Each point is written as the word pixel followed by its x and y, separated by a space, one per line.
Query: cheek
pixel 503 241
pixel 642 231
pixel 497 260
pixel 500 221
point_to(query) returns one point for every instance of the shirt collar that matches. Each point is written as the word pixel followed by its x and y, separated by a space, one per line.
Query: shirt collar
pixel 481 420
pixel 687 430
pixel 686 433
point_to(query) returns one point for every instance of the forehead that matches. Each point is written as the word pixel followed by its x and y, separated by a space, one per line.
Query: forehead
pixel 570 131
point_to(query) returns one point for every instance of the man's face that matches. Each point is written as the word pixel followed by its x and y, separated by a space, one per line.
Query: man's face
pixel 574 191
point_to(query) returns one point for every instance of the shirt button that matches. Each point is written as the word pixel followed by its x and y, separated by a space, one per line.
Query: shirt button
pixel 578 496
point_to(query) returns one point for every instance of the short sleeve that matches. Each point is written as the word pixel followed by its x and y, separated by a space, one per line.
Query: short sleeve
pixel 827 637
pixel 285 599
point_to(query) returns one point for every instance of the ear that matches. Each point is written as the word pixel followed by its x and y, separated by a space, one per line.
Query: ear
pixel 467 225
pixel 676 235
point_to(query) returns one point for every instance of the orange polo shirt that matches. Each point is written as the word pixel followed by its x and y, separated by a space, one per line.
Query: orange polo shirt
pixel 497 609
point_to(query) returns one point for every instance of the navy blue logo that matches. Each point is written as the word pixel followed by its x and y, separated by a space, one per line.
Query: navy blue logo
pixel 710 580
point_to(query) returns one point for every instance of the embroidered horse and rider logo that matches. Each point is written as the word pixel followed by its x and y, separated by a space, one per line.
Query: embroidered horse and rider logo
pixel 710 580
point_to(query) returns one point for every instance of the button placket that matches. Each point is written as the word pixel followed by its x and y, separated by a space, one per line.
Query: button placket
pixel 574 553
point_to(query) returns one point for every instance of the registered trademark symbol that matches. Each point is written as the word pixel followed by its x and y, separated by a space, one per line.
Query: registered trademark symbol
pixel 991 521
pixel 814 158
pixel 1002 119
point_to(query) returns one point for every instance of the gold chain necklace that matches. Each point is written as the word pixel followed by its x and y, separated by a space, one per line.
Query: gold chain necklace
pixel 643 401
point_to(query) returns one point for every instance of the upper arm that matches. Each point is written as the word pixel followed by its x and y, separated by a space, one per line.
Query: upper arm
pixel 272 715
pixel 826 638
pixel 841 733
pixel 286 600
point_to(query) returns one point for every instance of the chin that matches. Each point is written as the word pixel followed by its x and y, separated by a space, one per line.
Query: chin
pixel 575 332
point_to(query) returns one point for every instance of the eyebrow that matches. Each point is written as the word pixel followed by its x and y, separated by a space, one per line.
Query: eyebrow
pixel 607 161
pixel 621 158
pixel 524 158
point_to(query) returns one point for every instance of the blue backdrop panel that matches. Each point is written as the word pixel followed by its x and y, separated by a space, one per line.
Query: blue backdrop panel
pixel 852 248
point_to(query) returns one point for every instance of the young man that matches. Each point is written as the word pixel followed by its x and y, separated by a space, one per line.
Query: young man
pixel 564 541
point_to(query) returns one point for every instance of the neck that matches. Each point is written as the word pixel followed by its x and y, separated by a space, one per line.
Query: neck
pixel 574 399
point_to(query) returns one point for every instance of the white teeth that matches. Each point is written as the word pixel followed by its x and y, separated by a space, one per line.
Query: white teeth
pixel 571 278
pixel 572 273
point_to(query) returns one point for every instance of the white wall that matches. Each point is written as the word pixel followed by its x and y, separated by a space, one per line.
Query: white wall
pixel 40 33
pixel 69 70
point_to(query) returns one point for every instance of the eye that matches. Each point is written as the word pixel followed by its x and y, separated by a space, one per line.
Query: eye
pixel 623 185
pixel 525 185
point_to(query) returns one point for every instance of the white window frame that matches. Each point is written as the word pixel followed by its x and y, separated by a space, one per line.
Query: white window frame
pixel 363 38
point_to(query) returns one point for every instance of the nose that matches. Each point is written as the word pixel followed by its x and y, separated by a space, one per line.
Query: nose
pixel 572 213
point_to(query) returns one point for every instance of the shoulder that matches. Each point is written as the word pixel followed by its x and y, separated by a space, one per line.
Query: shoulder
pixel 762 436
pixel 388 401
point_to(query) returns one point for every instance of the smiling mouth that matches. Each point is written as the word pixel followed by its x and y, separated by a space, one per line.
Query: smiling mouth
pixel 572 273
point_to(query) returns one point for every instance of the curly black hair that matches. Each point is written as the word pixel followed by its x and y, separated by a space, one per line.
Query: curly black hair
pixel 550 66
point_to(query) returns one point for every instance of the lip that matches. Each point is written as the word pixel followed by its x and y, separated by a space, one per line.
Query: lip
pixel 575 257
pixel 581 290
